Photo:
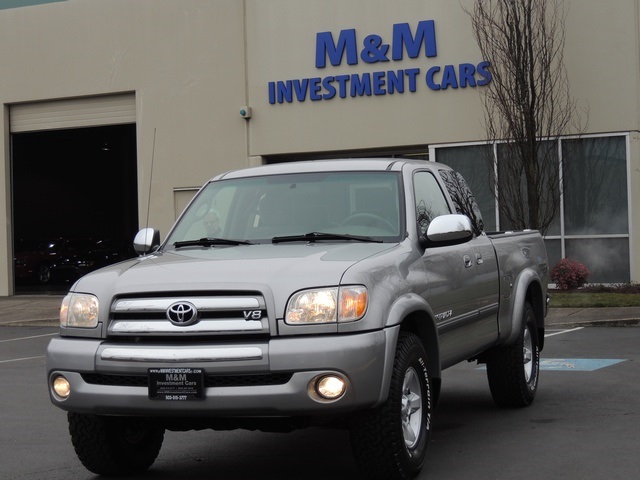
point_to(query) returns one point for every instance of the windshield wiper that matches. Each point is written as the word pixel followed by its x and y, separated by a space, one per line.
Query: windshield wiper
pixel 315 236
pixel 210 242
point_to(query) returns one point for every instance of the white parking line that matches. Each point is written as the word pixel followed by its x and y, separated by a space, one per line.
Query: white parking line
pixel 28 338
pixel 21 359
pixel 562 331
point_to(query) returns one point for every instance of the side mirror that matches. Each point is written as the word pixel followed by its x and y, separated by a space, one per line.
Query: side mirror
pixel 147 240
pixel 448 230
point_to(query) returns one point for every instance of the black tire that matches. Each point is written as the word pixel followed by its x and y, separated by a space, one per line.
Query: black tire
pixel 513 371
pixel 115 446
pixel 390 442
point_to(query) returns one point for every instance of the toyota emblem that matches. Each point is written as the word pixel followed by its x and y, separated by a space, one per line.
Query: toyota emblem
pixel 182 314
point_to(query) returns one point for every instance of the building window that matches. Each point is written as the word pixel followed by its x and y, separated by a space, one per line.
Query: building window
pixel 595 179
pixel 593 224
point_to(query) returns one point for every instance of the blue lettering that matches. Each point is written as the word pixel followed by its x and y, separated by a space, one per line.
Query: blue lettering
pixel 327 83
pixel 429 78
pixel 412 74
pixel 342 83
pixel 300 87
pixel 374 51
pixel 466 75
pixel 325 47
pixel 285 91
pixel 378 83
pixel 484 73
pixel 272 92
pixel 449 77
pixel 395 81
pixel 403 38
pixel 361 86
pixel 316 86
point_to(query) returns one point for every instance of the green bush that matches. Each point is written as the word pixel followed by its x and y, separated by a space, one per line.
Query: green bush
pixel 569 274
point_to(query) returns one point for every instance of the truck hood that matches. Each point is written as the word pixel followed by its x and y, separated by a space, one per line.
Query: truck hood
pixel 281 269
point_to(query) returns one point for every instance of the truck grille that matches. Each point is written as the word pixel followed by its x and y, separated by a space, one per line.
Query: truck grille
pixel 188 315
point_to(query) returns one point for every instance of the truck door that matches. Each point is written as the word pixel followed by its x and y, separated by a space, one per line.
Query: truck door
pixel 486 288
pixel 451 272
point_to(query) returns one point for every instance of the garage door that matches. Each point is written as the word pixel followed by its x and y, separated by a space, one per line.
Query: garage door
pixel 73 113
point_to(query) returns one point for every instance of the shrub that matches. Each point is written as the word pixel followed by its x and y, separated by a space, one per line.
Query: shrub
pixel 568 274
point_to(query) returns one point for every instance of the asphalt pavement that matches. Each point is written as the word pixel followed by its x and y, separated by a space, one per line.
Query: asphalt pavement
pixel 42 310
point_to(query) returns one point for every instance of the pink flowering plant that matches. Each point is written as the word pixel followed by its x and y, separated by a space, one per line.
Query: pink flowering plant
pixel 569 274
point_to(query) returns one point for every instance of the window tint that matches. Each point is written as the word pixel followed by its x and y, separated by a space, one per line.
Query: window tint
pixel 475 164
pixel 462 197
pixel 430 201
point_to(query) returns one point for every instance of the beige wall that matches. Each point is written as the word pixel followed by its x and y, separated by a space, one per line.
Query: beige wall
pixel 601 56
pixel 281 45
pixel 193 63
pixel 183 59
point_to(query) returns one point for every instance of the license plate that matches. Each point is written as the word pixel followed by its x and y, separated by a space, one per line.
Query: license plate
pixel 176 384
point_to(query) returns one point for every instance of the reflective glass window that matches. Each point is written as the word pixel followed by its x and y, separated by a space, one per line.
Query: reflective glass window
pixel 595 178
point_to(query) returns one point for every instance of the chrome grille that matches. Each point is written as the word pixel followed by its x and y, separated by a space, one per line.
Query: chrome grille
pixel 217 315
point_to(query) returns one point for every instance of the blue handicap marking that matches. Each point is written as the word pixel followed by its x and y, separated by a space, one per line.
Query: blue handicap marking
pixel 577 364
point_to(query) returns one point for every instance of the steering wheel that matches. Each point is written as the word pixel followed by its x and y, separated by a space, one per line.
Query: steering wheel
pixel 368 220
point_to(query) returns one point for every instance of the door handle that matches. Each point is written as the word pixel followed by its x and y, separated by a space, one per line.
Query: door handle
pixel 467 261
pixel 479 259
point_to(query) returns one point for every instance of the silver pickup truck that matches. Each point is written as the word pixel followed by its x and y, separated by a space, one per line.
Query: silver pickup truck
pixel 299 294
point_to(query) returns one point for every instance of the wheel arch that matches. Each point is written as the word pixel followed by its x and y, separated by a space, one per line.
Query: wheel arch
pixel 528 289
pixel 414 315
pixel 423 326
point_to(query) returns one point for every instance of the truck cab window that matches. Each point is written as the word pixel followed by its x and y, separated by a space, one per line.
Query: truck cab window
pixel 430 200
pixel 463 199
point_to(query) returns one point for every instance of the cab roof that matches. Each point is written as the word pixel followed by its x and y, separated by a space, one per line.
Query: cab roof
pixel 333 165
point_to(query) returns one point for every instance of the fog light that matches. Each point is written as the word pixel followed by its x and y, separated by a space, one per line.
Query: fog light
pixel 61 387
pixel 330 387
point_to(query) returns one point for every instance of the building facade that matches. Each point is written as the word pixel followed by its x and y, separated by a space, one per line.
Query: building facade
pixel 183 90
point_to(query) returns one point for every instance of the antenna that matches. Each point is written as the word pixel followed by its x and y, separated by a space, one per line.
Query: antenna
pixel 153 154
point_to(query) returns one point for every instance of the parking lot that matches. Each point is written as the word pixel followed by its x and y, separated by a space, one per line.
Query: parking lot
pixel 583 423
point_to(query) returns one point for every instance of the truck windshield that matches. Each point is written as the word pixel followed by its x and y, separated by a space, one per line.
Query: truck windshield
pixel 259 209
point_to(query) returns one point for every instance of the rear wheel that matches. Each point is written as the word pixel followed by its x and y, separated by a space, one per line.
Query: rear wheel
pixel 390 442
pixel 513 371
pixel 114 446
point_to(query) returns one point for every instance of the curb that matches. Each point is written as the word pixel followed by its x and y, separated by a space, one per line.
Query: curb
pixel 622 322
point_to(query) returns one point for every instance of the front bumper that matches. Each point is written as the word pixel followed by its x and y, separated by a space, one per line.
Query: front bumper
pixel 363 360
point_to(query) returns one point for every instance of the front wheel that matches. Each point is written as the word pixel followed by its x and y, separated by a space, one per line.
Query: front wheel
pixel 390 442
pixel 513 371
pixel 115 446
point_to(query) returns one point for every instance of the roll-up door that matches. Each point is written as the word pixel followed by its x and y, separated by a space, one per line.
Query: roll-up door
pixel 73 113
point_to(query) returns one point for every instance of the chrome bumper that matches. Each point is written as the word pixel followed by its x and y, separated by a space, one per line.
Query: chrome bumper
pixel 358 358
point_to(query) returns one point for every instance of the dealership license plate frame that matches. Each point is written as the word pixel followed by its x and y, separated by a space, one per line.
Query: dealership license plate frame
pixel 176 384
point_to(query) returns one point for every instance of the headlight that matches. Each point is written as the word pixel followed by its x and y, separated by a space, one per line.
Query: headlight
pixel 79 310
pixel 327 305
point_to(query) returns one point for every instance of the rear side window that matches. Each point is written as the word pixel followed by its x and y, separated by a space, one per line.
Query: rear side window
pixel 430 200
pixel 463 198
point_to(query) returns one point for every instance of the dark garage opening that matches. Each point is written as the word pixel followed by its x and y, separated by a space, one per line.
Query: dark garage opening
pixel 75 203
